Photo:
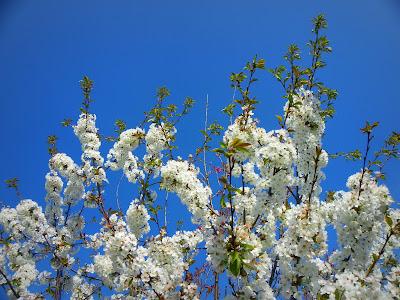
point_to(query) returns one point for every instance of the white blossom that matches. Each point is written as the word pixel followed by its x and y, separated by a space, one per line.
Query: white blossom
pixel 137 219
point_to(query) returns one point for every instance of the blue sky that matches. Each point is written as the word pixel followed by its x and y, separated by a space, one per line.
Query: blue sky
pixel 129 48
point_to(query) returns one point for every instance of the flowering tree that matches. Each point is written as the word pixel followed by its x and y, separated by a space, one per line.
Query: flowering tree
pixel 259 215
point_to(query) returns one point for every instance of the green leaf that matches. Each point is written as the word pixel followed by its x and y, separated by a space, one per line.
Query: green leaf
pixel 222 201
pixel 235 263
pixel 246 247
pixel 219 150
pixel 394 139
pixel 242 149
pixel 120 126
pixel 223 180
pixel 368 127
pixel 388 220
pixel 203 132
pixel 260 64
pixel 290 99
pixel 338 294
pixel 163 92
pixel 66 122
pixel 322 297
pixel 238 77
pixel 229 109
pixel 237 144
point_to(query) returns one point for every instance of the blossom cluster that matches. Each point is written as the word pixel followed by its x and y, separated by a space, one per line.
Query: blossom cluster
pixel 263 223
pixel 86 132
pixel 121 156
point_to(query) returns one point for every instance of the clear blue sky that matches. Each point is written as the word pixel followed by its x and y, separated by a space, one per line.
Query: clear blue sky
pixel 129 48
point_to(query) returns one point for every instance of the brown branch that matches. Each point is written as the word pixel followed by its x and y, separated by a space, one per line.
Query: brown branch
pixel 274 266
pixel 369 138
pixel 15 293
pixel 375 259
pixel 216 287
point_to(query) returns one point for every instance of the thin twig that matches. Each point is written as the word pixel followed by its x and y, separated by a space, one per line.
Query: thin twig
pixel 205 141
pixel 165 211
pixel 15 293
pixel 117 192
pixel 375 260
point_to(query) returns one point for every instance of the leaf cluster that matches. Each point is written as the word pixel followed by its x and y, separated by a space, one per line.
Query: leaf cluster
pixel 294 76
pixel 52 144
pixel 86 86
pixel 162 113
pixel 242 82
pixel 234 146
